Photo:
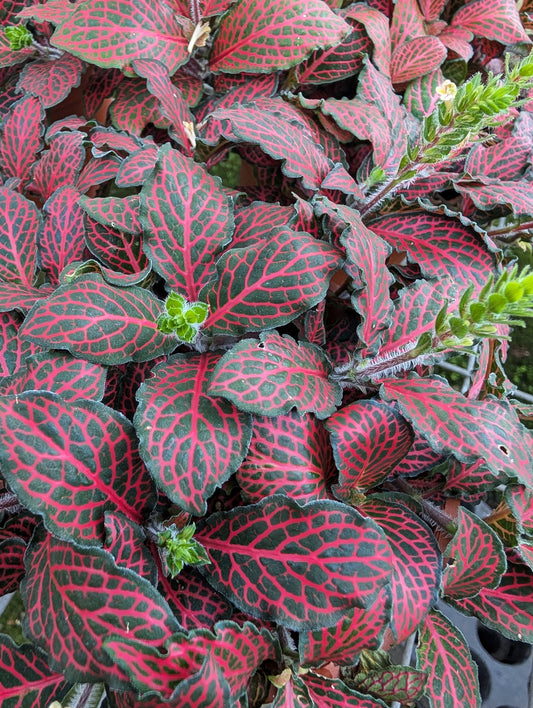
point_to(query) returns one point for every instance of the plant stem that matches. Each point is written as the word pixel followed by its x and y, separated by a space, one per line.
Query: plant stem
pixel 430 512
pixel 10 504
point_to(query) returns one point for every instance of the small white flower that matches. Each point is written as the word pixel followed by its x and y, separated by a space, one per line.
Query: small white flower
pixel 446 91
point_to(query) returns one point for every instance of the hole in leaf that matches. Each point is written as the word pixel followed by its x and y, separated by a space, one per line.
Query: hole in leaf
pixel 504 449
pixel 260 345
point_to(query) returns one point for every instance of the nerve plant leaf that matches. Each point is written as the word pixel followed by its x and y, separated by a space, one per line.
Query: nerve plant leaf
pixel 102 323
pixel 467 429
pixel 26 680
pixel 279 561
pixel 72 462
pixel 85 589
pixel 443 654
pixel 273 34
pixel 111 34
pixel 191 441
pixel 187 221
pixel 274 374
pixel 270 284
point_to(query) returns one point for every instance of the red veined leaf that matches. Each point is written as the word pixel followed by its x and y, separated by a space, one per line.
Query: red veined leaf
pixel 20 137
pixel 60 165
pixel 415 313
pixel 134 107
pixel 99 86
pixel 367 254
pixel 12 349
pixel 443 654
pixel 290 455
pixel 416 561
pixel 431 9
pixel 171 102
pixel 105 139
pixel 311 579
pixel 498 20
pixel 397 683
pixel 62 237
pixel 420 458
pixel 302 156
pixel 120 213
pixel 97 171
pixel 111 33
pixel 193 600
pixel 457 39
pixel 187 219
pixel 507 159
pixel 22 526
pixel 272 375
pixel 191 442
pixel 368 440
pixel 12 550
pixel 70 377
pixel 273 34
pixel 421 96
pixel 477 557
pixel 469 482
pixel 245 90
pixel 99 322
pixel 214 7
pixel 517 195
pixel 467 429
pixel 377 27
pixel 416 58
pixel 336 63
pixel 407 22
pixel 254 223
pixel 363 120
pixel 51 81
pixel 26 681
pixel 125 540
pixel 520 501
pixel 507 608
pixel 52 11
pixel 238 651
pixel 360 629
pixel 376 88
pixel 118 250
pixel 19 226
pixel 328 693
pixel 92 457
pixel 136 168
pixel 268 285
pixel 85 585
pixel 440 245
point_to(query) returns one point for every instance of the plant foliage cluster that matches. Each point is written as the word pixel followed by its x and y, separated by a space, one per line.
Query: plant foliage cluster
pixel 229 473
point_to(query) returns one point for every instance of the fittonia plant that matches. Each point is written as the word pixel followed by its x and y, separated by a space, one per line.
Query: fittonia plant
pixel 229 473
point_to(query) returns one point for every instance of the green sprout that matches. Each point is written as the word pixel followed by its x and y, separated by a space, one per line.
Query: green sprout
pixel 180 548
pixel 182 318
pixel 19 37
